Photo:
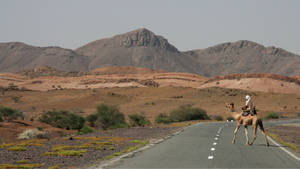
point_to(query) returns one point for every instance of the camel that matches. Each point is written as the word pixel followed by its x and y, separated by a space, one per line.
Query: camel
pixel 246 121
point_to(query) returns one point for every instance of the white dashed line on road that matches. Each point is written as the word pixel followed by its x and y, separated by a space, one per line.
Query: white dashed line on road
pixel 210 157
pixel 212 149
pixel 214 143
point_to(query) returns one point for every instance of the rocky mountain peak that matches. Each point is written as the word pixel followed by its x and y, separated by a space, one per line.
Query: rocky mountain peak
pixel 144 37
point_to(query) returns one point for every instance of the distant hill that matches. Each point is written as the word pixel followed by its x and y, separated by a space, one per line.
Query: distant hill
pixel 140 48
pixel 245 57
pixel 16 56
pixel 256 82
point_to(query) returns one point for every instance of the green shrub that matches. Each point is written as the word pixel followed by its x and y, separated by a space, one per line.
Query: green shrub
pixel 272 115
pixel 1 120
pixel 85 130
pixel 163 118
pixel 92 119
pixel 9 114
pixel 63 119
pixel 298 114
pixel 218 118
pixel 186 113
pixel 107 117
pixel 138 120
pixel 230 118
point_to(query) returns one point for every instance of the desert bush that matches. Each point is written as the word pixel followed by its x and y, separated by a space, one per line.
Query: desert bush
pixel 63 119
pixel 230 118
pixel 16 99
pixel 272 115
pixel 217 117
pixel 107 117
pixel 163 118
pixel 9 114
pixel 186 113
pixel 138 120
pixel 92 119
pixel 85 130
pixel 39 128
pixel 31 133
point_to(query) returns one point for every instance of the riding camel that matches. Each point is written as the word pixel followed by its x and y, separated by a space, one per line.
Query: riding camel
pixel 246 121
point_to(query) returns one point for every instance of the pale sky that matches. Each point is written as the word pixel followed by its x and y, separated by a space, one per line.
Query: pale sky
pixel 187 24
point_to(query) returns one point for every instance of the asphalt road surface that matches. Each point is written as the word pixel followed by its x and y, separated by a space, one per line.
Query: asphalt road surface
pixel 208 145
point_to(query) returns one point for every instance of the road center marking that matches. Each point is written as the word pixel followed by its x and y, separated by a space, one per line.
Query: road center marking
pixel 212 149
pixel 216 138
pixel 210 157
pixel 214 143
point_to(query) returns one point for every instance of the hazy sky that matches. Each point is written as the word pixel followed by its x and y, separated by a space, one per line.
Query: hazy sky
pixel 187 24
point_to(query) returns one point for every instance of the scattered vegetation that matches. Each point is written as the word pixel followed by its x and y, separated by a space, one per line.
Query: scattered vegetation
pixel 17 148
pixel 23 162
pixel 32 133
pixel 67 153
pixel 59 148
pixel 150 103
pixel 63 119
pixel 16 99
pixel 230 118
pixel 217 117
pixel 141 142
pixel 58 166
pixel 163 118
pixel 107 117
pixel 277 138
pixel 85 130
pixel 24 166
pixel 183 113
pixel 186 113
pixel 114 155
pixel 92 119
pixel 272 115
pixel 138 120
pixel 9 114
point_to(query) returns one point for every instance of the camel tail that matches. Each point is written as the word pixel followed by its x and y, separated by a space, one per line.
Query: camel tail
pixel 260 124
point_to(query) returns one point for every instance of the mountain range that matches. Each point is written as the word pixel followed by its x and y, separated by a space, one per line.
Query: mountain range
pixel 142 48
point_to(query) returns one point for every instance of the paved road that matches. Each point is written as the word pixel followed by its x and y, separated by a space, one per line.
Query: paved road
pixel 193 149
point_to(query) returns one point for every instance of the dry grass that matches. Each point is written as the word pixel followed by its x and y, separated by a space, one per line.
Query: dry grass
pixel 66 153
pixel 17 148
pixel 24 166
pixel 281 141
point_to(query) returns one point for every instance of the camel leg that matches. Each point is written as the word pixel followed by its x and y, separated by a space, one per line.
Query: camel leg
pixel 261 126
pixel 246 134
pixel 235 132
pixel 254 133
pixel 266 138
